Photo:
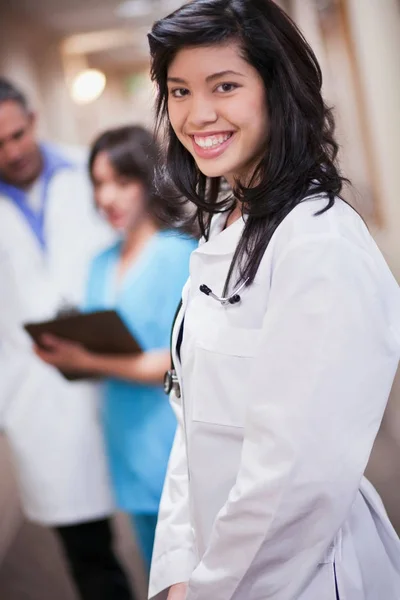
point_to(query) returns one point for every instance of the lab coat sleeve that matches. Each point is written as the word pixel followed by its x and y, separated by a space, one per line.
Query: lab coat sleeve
pixel 321 378
pixel 16 362
pixel 15 345
pixel 173 555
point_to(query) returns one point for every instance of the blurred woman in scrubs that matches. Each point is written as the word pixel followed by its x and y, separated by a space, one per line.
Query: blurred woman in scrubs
pixel 141 277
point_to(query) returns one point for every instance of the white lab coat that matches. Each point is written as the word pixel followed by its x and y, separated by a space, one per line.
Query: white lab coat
pixel 282 398
pixel 52 425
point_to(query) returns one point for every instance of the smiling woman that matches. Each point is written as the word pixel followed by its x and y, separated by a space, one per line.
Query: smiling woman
pixel 282 390
pixel 248 76
pixel 218 114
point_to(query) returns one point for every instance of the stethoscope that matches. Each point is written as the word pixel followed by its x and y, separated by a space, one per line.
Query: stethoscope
pixel 170 378
pixel 234 298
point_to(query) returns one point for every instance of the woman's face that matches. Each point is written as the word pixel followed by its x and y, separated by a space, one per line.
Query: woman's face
pixel 120 199
pixel 218 109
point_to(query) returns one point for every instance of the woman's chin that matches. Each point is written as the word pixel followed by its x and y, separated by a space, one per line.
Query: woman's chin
pixel 211 171
pixel 118 225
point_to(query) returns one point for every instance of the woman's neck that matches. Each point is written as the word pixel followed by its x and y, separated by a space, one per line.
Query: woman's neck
pixel 137 237
pixel 234 215
pixel 135 240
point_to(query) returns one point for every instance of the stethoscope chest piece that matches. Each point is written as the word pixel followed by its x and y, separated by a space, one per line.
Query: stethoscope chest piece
pixel 171 382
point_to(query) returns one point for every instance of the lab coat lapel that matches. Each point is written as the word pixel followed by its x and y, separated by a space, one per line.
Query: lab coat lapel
pixel 177 326
pixel 222 241
pixel 16 232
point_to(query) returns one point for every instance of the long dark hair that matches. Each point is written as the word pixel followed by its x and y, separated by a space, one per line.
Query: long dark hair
pixel 133 153
pixel 301 151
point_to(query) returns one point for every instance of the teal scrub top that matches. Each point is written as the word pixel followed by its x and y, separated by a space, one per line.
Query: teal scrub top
pixel 138 422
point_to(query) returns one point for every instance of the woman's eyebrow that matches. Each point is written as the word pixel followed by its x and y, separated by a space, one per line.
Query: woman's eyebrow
pixel 176 80
pixel 211 77
pixel 223 74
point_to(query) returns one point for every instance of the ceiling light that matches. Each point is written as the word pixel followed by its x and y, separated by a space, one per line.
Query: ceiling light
pixel 87 86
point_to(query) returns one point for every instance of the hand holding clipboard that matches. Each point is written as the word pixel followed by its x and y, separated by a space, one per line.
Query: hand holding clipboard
pixel 101 332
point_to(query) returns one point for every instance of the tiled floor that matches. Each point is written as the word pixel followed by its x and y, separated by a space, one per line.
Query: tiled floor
pixel 33 567
pixel 31 563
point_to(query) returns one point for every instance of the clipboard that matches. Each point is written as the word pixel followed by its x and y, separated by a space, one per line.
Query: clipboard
pixel 103 332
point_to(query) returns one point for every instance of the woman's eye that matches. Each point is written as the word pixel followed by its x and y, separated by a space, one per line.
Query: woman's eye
pixel 227 87
pixel 179 92
pixel 123 181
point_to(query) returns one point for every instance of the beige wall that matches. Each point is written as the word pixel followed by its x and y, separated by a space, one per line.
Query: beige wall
pixel 30 57
pixel 117 106
pixel 10 516
pixel 375 28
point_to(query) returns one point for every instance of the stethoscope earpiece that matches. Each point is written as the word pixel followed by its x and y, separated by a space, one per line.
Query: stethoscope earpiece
pixel 205 289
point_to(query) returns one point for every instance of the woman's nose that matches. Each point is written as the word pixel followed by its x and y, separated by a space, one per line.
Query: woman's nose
pixel 201 113
pixel 106 196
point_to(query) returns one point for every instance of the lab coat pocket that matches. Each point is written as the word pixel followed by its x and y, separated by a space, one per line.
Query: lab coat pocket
pixel 222 366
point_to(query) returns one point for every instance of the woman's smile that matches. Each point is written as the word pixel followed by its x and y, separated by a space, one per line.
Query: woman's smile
pixel 211 145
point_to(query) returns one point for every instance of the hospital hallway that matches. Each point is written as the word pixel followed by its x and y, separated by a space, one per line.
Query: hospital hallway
pixel 47 49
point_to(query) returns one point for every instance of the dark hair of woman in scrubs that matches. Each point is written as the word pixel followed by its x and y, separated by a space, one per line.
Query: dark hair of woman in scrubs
pixel 132 154
pixel 141 276
pixel 288 338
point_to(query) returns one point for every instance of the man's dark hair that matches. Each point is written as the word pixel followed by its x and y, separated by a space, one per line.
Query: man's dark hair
pixel 9 92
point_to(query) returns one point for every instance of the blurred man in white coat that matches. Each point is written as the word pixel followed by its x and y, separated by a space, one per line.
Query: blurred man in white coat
pixel 48 234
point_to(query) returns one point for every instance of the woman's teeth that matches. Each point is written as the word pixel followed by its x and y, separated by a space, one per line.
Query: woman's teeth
pixel 211 141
